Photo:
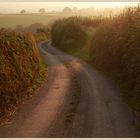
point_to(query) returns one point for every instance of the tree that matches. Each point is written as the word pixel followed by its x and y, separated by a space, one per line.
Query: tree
pixel 67 10
pixel 75 9
pixel 23 11
pixel 42 10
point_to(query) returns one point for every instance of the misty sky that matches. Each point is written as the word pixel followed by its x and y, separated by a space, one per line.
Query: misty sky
pixel 16 7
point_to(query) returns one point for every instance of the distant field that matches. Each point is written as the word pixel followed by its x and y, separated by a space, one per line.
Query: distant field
pixel 12 20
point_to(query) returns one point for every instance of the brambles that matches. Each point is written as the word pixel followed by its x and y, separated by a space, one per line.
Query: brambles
pixel 19 67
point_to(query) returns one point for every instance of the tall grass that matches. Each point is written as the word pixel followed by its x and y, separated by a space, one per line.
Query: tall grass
pixel 115 48
pixel 19 67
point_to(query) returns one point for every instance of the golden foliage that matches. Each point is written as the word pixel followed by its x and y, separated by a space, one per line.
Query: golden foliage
pixel 19 66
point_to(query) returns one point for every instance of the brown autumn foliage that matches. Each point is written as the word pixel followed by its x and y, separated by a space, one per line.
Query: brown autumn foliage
pixel 115 48
pixel 19 66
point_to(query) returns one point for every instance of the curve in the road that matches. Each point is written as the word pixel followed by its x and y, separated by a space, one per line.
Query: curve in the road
pixel 100 113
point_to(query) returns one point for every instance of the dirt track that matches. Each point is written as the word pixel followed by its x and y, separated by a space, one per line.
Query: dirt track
pixel 100 113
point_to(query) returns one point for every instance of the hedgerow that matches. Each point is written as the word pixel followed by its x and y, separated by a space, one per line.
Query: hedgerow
pixel 19 67
pixel 115 48
pixel 69 33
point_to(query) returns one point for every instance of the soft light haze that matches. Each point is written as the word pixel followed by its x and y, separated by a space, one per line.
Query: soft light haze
pixel 16 7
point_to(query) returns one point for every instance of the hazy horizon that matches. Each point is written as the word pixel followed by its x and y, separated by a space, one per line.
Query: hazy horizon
pixel 16 7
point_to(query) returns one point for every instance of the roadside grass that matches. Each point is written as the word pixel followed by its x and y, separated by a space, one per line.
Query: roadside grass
pixel 41 76
pixel 74 99
pixel 81 53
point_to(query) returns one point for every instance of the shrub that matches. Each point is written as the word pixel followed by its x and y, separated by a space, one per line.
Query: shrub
pixel 42 34
pixel 19 66
pixel 67 34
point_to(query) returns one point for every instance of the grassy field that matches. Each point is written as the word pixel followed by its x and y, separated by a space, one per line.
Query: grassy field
pixel 12 20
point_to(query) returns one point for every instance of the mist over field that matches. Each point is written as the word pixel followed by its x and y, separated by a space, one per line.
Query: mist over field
pixel 32 7
pixel 11 12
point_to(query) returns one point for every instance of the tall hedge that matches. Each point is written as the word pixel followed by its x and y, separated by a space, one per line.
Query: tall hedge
pixel 116 49
pixel 67 34
pixel 19 66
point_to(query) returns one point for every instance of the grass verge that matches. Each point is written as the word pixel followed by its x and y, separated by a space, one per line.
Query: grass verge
pixel 75 98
